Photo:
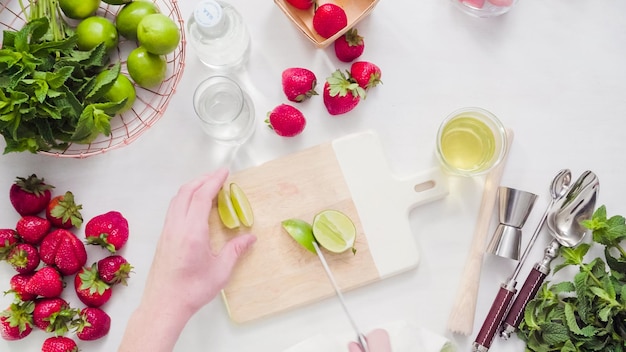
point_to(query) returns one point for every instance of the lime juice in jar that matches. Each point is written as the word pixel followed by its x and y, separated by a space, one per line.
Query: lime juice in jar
pixel 470 142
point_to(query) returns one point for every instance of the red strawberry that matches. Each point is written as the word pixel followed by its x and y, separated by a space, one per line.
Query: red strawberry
pixel 286 120
pixel 90 289
pixel 93 324
pixel 366 74
pixel 340 94
pixel 29 195
pixel 114 269
pixel 16 322
pixel 18 287
pixel 53 315
pixel 46 282
pixel 24 258
pixel 59 344
pixel 8 240
pixel 109 230
pixel 32 228
pixel 63 212
pixel 64 251
pixel 349 46
pixel 329 19
pixel 299 84
pixel 301 4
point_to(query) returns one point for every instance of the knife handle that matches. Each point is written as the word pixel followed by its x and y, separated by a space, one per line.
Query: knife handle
pixel 494 317
pixel 528 291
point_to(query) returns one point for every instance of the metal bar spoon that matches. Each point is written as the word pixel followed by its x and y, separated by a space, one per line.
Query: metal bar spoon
pixel 360 337
pixel 558 188
pixel 565 226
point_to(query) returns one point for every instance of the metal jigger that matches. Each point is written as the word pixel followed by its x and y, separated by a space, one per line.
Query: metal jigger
pixel 513 210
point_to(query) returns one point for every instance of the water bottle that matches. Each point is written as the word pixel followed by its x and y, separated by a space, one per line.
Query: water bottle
pixel 218 35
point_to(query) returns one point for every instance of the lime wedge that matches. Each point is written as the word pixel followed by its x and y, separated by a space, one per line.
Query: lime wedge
pixel 241 205
pixel 301 231
pixel 334 231
pixel 226 210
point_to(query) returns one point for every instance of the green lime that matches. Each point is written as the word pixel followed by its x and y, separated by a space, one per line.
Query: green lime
pixel 94 30
pixel 241 205
pixel 226 210
pixel 117 2
pixel 131 14
pixel 334 231
pixel 158 33
pixel 122 89
pixel 301 231
pixel 79 9
pixel 146 69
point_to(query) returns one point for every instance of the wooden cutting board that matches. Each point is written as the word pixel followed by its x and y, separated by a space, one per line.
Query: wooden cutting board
pixel 349 174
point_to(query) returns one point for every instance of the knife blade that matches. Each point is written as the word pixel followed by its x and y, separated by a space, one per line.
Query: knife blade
pixel 360 337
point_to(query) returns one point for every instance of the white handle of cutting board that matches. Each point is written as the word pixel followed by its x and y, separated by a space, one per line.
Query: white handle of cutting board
pixel 384 201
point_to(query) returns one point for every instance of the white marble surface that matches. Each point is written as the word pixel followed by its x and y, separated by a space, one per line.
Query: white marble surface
pixel 552 71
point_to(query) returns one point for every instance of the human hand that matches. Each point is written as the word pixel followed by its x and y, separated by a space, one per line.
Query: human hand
pixel 377 341
pixel 184 258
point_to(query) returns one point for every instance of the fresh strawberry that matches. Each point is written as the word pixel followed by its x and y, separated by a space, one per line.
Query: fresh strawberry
pixel 109 230
pixel 286 120
pixel 59 344
pixel 64 251
pixel 32 228
pixel 53 315
pixel 298 84
pixel 340 94
pixel 18 287
pixel 329 19
pixel 93 324
pixel 301 4
pixel 8 240
pixel 366 74
pixel 46 282
pixel 114 269
pixel 24 258
pixel 90 288
pixel 30 195
pixel 349 46
pixel 63 212
pixel 16 322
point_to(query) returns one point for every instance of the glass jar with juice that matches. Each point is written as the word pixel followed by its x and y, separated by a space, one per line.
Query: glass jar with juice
pixel 471 141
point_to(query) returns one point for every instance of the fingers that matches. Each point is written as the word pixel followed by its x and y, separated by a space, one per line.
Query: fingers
pixel 377 340
pixel 232 251
pixel 354 347
pixel 202 199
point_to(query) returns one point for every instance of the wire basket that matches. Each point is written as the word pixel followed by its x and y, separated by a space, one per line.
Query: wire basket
pixel 150 103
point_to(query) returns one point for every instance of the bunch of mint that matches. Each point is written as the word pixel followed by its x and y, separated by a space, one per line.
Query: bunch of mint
pixel 587 313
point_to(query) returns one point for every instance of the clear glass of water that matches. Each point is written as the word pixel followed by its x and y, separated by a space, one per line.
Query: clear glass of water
pixel 226 112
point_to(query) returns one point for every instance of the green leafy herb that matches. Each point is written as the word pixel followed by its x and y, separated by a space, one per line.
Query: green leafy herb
pixel 49 96
pixel 589 312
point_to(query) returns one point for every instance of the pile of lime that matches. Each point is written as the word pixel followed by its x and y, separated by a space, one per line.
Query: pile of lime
pixel 233 207
pixel 331 229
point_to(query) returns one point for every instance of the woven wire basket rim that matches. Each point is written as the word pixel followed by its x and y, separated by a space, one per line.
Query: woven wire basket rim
pixel 150 104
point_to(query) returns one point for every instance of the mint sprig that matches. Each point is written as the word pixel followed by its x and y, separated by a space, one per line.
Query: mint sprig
pixel 587 313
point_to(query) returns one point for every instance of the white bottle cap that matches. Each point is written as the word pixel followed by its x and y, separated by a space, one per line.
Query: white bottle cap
pixel 208 13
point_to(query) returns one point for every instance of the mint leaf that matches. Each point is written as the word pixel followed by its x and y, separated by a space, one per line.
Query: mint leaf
pixel 554 333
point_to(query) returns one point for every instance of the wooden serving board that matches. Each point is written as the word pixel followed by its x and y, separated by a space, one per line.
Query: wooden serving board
pixel 349 174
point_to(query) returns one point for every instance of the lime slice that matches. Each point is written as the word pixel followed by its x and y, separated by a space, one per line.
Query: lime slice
pixel 334 231
pixel 301 231
pixel 241 205
pixel 226 210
